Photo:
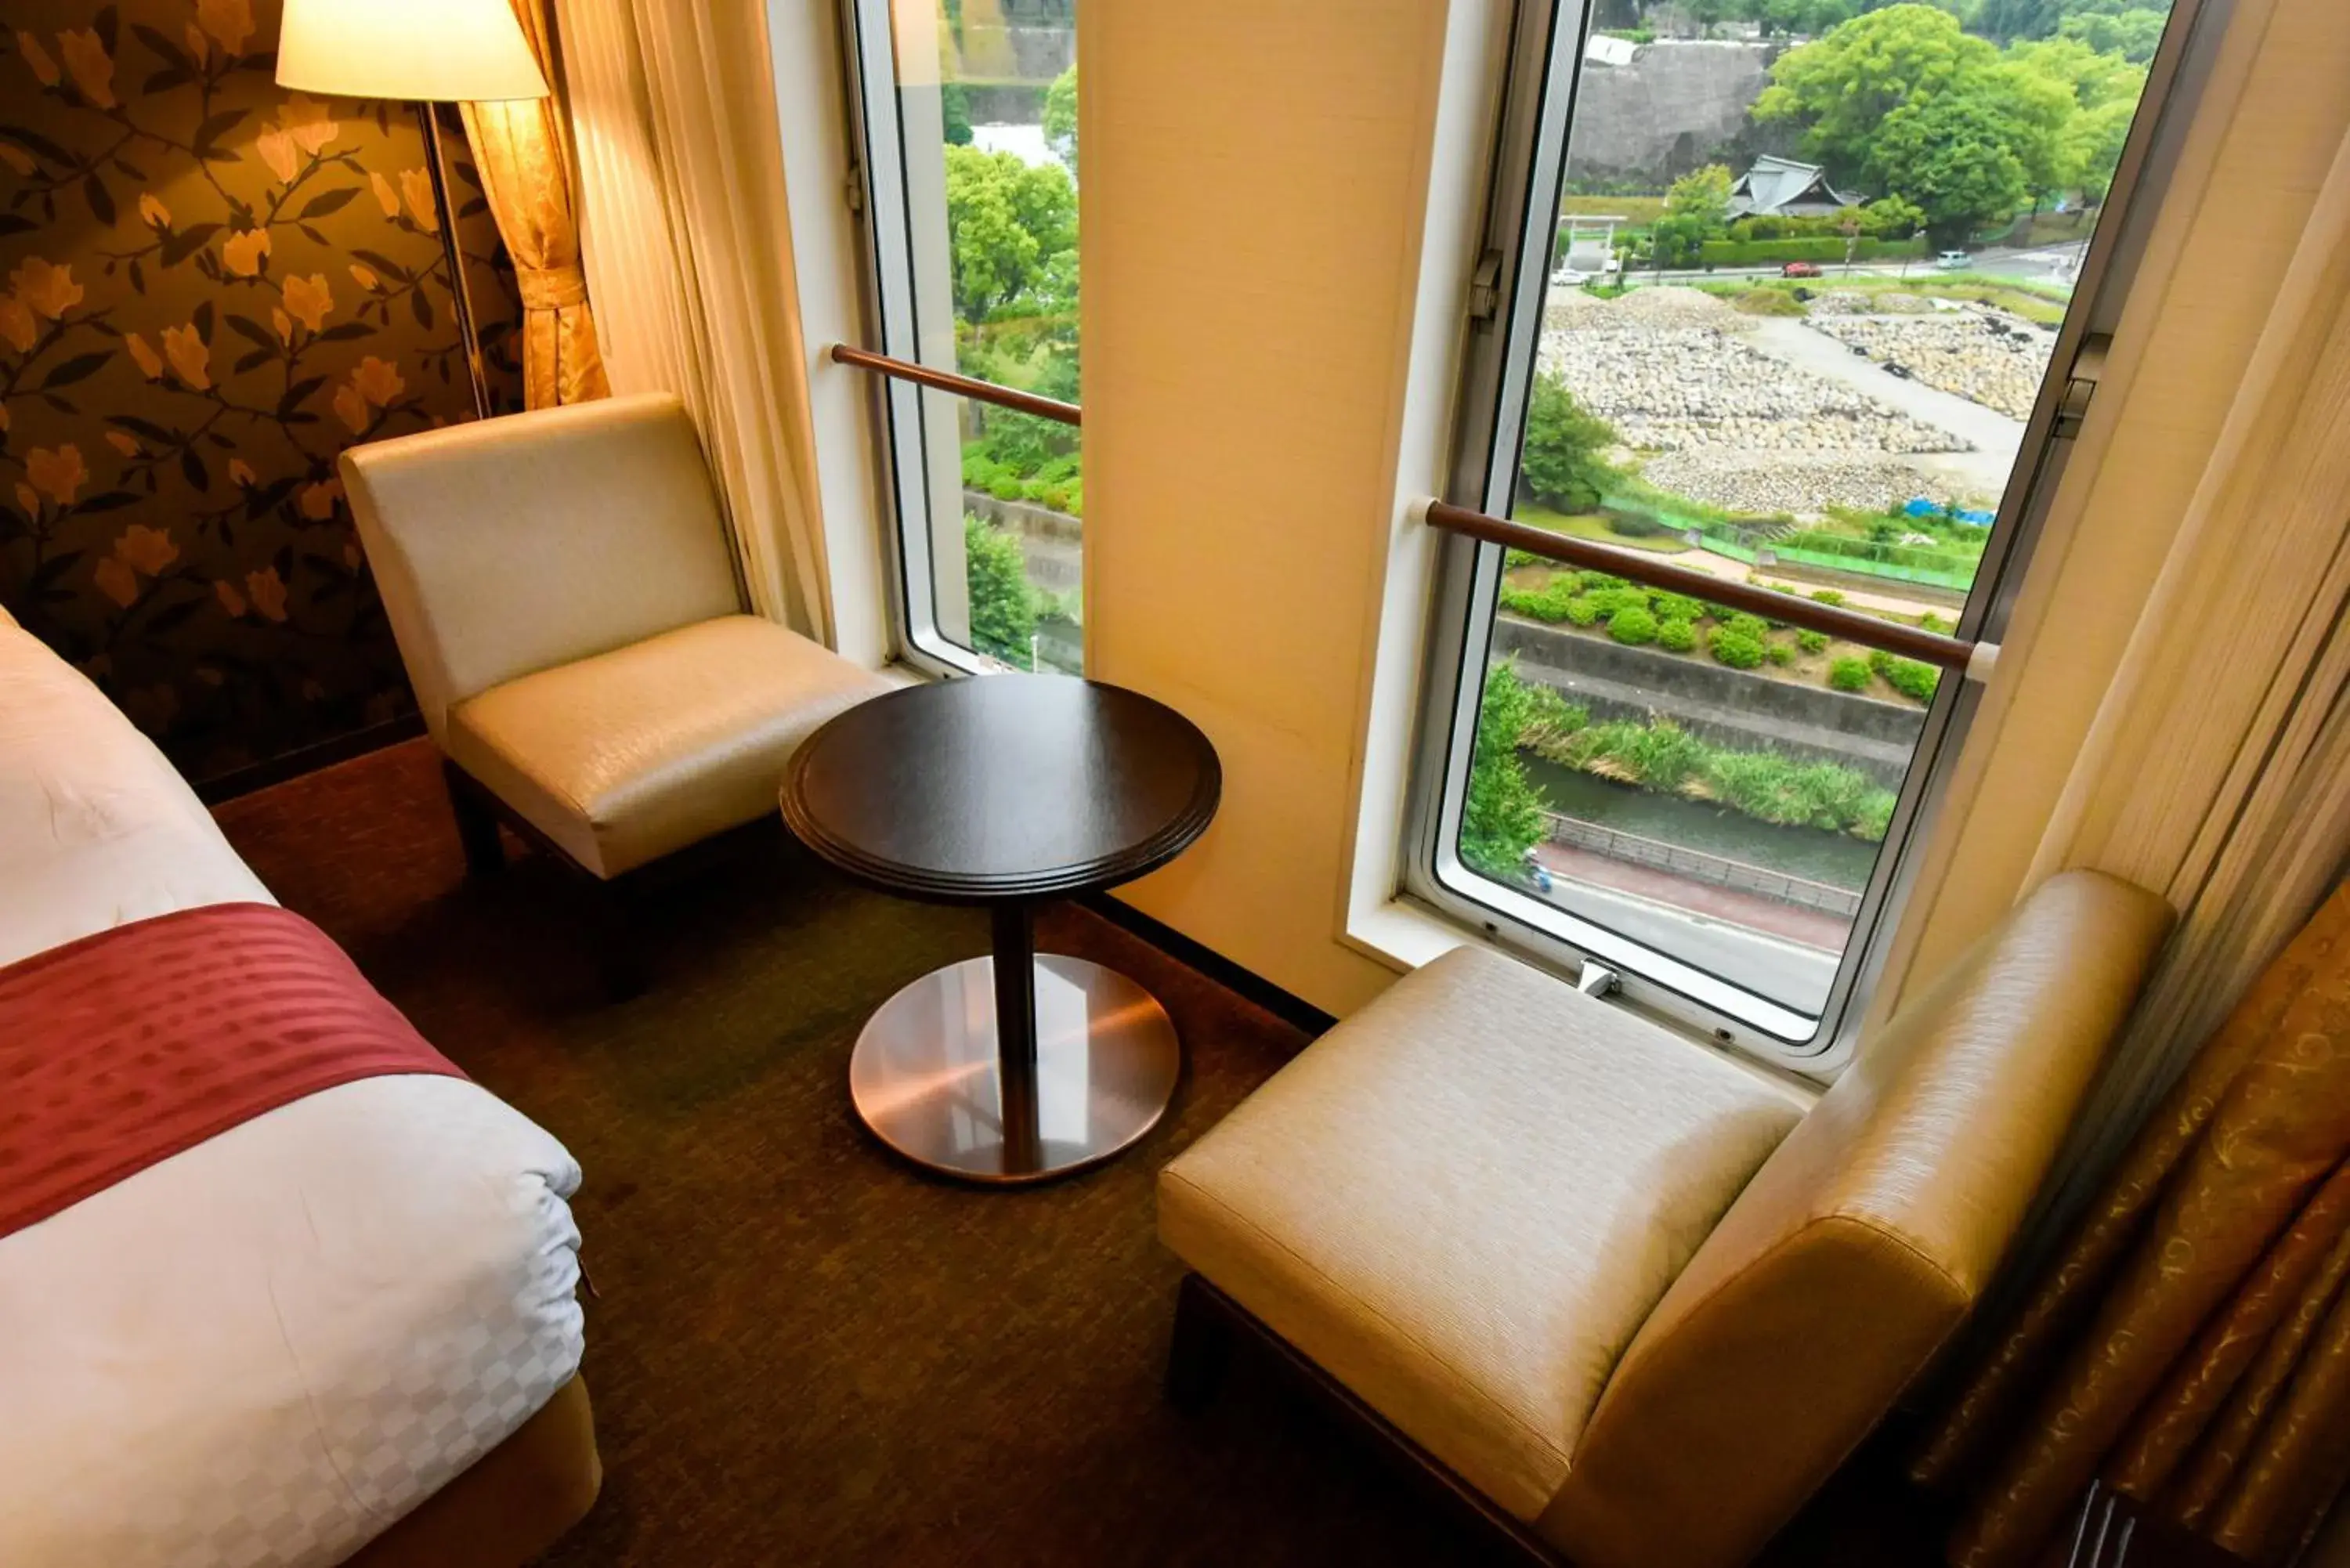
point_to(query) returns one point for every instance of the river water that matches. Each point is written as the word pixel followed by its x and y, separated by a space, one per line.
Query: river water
pixel 1836 859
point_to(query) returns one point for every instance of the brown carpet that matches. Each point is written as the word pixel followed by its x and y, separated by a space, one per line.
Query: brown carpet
pixel 801 1351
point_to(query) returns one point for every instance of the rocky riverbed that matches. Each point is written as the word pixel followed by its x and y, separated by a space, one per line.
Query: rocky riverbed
pixel 1985 357
pixel 1802 484
pixel 1694 387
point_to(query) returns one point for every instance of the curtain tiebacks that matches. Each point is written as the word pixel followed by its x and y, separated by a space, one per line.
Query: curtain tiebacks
pixel 551 289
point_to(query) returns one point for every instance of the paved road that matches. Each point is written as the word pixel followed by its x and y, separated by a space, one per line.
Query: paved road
pixel 1995 437
pixel 2049 264
pixel 1686 922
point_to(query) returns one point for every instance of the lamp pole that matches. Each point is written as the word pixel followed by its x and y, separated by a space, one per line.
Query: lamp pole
pixel 460 292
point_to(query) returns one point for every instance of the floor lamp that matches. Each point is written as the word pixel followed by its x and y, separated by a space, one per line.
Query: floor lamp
pixel 425 52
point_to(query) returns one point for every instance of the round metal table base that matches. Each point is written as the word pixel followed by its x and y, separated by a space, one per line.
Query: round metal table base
pixel 927 1080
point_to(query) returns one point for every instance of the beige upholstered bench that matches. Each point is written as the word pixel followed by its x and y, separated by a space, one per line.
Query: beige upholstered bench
pixel 1636 1301
pixel 563 592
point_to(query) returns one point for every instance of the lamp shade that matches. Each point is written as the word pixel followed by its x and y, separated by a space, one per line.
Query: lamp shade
pixel 430 49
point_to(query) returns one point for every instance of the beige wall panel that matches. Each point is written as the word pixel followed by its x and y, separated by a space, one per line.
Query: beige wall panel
pixel 1255 193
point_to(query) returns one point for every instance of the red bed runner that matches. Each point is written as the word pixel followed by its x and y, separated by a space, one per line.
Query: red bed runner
pixel 127 1046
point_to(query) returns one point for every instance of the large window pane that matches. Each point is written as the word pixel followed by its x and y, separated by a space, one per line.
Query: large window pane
pixel 1811 263
pixel 971 130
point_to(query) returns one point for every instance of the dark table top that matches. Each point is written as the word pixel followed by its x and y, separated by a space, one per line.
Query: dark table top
pixel 1003 786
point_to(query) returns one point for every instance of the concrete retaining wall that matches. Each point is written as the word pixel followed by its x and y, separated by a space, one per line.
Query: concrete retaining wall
pixel 1698 866
pixel 1024 516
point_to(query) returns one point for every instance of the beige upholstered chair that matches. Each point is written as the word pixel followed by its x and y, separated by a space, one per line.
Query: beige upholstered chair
pixel 1633 1301
pixel 564 596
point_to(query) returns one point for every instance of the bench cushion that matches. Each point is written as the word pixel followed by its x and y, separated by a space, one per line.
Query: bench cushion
pixel 1463 1202
pixel 625 756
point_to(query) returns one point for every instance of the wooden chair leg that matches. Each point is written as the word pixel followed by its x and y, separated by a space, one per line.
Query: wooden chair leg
pixel 477 824
pixel 1202 1348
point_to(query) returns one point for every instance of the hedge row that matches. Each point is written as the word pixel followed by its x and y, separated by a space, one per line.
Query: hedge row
pixel 1773 253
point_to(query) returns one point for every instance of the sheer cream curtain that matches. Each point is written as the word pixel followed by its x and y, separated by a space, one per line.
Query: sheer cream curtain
pixel 685 230
pixel 2217 771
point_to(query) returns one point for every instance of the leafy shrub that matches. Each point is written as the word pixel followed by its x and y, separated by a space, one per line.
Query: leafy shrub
pixel 1812 641
pixel 1881 662
pixel 1912 678
pixel 1779 652
pixel 1632 624
pixel 1929 622
pixel 1828 596
pixel 1661 757
pixel 1752 625
pixel 1003 606
pixel 1551 718
pixel 1608 602
pixel 1547 603
pixel 1660 754
pixel 1737 649
pixel 1768 302
pixel 1676 635
pixel 1581 611
pixel 1676 607
pixel 1848 674
pixel 1874 817
pixel 1005 488
pixel 1560 463
pixel 1502 818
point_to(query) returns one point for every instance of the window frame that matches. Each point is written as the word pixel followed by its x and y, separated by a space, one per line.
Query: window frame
pixel 1534 118
pixel 877 185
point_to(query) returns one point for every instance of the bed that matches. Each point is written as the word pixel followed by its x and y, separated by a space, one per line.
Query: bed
pixel 346 1327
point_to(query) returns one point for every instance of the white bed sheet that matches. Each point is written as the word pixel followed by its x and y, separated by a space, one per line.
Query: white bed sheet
pixel 267 1348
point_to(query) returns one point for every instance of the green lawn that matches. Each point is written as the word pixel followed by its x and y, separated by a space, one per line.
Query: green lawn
pixel 1593 525
pixel 1633 209
pixel 2031 301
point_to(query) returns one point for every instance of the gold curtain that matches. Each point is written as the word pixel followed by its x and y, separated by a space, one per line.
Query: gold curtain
pixel 525 168
pixel 2192 1346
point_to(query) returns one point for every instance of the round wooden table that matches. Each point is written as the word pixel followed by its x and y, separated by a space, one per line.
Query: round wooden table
pixel 1005 790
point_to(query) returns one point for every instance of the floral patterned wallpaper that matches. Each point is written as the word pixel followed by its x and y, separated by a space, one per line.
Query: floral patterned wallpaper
pixel 212 286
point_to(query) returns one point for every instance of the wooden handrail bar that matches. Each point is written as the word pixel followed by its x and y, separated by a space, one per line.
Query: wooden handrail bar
pixel 961 386
pixel 1972 659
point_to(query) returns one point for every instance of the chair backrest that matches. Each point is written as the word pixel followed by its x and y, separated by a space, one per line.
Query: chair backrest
pixel 510 546
pixel 1860 1244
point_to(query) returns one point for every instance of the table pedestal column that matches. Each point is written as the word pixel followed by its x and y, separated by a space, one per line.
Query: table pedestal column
pixel 1016 1067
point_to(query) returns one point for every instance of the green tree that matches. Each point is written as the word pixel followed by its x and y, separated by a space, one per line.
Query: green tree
pixel 1842 87
pixel 1002 605
pixel 1502 816
pixel 1060 118
pixel 2104 90
pixel 1009 228
pixel 1696 209
pixel 954 111
pixel 1702 195
pixel 1950 156
pixel 1561 465
pixel 2132 34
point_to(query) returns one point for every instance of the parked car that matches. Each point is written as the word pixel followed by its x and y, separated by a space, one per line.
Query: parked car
pixel 1900 370
pixel 1954 260
pixel 1799 269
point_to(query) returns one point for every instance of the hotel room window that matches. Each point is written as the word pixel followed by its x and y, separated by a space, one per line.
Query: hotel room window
pixel 967 110
pixel 1835 359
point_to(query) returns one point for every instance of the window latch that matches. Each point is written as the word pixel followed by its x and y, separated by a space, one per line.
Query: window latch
pixel 2081 384
pixel 1485 288
pixel 1594 978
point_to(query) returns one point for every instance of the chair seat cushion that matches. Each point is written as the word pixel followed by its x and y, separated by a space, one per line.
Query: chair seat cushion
pixel 1463 1200
pixel 625 756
